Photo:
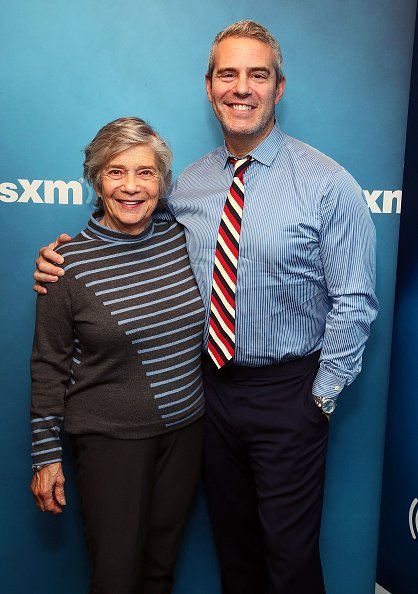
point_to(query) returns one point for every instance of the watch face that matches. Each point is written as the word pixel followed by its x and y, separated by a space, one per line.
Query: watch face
pixel 328 406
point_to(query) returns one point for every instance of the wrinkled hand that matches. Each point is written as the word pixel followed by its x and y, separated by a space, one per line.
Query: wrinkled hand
pixel 48 488
pixel 46 269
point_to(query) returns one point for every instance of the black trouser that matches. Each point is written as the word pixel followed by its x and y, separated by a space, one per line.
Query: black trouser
pixel 264 466
pixel 135 494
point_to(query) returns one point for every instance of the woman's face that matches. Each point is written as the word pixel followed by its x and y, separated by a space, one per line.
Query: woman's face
pixel 130 190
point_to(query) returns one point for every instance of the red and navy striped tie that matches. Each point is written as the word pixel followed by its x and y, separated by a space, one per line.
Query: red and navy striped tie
pixel 221 343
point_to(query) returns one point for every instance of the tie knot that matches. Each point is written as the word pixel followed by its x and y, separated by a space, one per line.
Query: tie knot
pixel 240 165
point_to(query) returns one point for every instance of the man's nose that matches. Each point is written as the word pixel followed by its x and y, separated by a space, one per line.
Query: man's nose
pixel 242 87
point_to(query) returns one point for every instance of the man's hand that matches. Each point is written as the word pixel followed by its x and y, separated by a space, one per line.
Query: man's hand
pixel 46 269
pixel 48 488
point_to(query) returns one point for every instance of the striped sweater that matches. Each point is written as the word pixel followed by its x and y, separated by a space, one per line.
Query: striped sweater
pixel 117 340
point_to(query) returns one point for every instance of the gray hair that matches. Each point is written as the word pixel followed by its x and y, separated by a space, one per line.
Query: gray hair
pixel 252 30
pixel 118 136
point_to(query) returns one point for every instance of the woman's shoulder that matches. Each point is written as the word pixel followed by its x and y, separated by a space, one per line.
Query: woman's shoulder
pixel 171 226
pixel 83 250
pixel 82 239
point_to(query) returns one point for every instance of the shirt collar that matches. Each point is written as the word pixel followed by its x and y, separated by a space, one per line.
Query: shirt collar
pixel 266 151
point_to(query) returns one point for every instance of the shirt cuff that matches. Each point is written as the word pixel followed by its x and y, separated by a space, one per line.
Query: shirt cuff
pixel 327 384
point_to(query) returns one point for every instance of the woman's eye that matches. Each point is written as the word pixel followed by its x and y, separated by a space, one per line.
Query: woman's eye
pixel 147 173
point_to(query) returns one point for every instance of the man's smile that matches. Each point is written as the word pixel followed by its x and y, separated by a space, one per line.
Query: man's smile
pixel 241 106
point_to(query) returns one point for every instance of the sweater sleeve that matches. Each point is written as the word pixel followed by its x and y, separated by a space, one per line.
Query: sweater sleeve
pixel 51 360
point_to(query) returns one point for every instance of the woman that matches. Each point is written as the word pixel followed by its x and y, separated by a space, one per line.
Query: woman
pixel 116 362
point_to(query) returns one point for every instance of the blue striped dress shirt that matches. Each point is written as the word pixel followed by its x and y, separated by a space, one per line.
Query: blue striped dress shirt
pixel 306 271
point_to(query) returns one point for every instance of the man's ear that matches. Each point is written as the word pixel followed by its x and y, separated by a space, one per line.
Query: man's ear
pixel 208 87
pixel 280 91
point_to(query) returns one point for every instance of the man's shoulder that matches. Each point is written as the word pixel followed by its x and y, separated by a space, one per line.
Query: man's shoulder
pixel 321 171
pixel 215 158
pixel 309 156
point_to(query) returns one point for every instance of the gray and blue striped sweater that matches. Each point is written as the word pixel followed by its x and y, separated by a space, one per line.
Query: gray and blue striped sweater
pixel 118 340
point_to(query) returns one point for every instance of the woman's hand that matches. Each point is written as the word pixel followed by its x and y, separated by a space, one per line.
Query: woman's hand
pixel 46 269
pixel 48 488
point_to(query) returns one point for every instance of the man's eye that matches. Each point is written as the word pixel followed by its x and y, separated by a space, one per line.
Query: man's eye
pixel 260 75
pixel 226 75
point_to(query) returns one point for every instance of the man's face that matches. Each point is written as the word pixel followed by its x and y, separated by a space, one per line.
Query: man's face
pixel 243 91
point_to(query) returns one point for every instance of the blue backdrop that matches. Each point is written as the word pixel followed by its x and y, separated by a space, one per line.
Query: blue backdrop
pixel 398 548
pixel 68 68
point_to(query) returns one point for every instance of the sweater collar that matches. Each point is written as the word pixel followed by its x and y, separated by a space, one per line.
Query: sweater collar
pixel 107 234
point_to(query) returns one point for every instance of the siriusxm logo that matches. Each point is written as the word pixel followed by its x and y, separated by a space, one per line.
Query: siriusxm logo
pixel 384 201
pixel 45 191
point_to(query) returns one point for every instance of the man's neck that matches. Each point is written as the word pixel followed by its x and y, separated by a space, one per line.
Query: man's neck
pixel 241 145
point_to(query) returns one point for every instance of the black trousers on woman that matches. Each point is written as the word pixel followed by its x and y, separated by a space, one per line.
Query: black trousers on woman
pixel 135 495
pixel 264 462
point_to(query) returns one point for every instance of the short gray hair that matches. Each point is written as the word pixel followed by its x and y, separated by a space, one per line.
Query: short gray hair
pixel 252 30
pixel 118 136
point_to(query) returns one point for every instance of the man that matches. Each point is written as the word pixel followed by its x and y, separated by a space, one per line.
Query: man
pixel 288 283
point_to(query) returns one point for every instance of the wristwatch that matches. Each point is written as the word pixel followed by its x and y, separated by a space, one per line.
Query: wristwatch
pixel 325 403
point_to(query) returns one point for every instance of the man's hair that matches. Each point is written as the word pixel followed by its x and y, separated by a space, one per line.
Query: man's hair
pixel 118 136
pixel 252 30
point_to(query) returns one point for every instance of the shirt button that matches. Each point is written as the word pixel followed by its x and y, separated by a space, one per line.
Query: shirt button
pixel 337 388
